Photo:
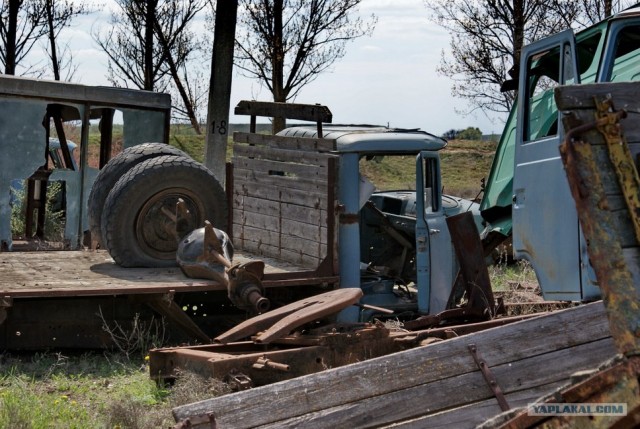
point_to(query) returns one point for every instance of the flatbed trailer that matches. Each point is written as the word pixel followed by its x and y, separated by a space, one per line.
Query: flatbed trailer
pixel 66 298
pixel 45 295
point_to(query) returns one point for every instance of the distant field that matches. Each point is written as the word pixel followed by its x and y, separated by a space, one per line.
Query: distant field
pixel 463 162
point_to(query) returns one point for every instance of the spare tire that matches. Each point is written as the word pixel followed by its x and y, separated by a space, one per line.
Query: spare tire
pixel 113 171
pixel 137 225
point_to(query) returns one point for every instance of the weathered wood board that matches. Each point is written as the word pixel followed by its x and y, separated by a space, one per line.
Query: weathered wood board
pixel 86 273
pixel 283 198
pixel 427 386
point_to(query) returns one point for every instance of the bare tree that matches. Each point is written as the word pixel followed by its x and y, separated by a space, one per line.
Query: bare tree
pixel 21 25
pixel 596 10
pixel 24 22
pixel 58 15
pixel 486 41
pixel 287 43
pixel 178 42
pixel 134 57
pixel 149 45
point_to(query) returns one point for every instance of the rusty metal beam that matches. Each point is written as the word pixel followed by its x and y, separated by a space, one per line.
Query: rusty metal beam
pixel 605 253
pixel 280 322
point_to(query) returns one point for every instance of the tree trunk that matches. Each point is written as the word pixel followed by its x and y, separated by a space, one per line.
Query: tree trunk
pixel 279 95
pixel 10 65
pixel 52 40
pixel 607 8
pixel 518 32
pixel 148 44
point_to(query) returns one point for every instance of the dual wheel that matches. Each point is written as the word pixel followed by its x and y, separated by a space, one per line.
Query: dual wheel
pixel 132 205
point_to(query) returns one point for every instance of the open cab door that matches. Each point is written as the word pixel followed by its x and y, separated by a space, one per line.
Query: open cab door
pixel 545 222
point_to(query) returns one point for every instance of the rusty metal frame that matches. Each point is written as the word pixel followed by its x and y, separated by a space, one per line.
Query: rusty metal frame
pixel 608 124
pixel 489 377
pixel 605 252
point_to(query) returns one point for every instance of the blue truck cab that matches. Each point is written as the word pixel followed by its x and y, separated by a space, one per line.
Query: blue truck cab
pixel 527 195
pixel 393 241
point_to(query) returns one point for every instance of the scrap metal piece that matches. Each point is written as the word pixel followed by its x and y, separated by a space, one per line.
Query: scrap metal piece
pixel 245 288
pixel 614 273
pixel 489 378
pixel 206 253
pixel 278 323
pixel 608 124
pixel 473 268
pixel 238 381
pixel 266 363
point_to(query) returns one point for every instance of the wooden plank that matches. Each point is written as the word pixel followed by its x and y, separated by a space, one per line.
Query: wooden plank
pixel 304 112
pixel 251 233
pixel 573 97
pixel 288 142
pixel 311 214
pixel 280 193
pixel 406 370
pixel 305 256
pixel 85 273
pixel 283 155
pixel 266 167
pixel 286 227
pixel 458 390
pixel 469 416
pixel 280 183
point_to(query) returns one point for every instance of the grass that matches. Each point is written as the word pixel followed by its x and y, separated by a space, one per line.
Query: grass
pixel 51 390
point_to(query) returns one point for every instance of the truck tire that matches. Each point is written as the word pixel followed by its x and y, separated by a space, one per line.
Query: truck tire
pixel 137 228
pixel 114 170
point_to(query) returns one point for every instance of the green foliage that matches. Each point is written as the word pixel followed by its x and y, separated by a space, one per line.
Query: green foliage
pixel 55 391
pixel 54 220
pixel 50 390
pixel 469 133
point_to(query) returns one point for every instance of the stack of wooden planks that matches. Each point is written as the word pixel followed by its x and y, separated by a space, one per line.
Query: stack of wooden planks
pixel 439 385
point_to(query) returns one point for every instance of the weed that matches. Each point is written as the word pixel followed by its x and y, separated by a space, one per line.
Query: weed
pixel 139 337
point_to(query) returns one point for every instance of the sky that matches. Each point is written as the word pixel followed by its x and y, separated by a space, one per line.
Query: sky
pixel 387 79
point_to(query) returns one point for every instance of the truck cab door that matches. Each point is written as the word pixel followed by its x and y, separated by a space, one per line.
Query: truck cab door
pixel 434 251
pixel 545 222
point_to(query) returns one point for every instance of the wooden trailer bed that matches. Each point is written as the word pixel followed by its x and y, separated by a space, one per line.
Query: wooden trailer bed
pixel 86 273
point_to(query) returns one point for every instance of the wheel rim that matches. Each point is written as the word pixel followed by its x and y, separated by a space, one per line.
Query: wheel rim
pixel 155 226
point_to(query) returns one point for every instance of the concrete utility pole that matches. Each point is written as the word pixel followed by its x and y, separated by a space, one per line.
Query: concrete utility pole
pixel 220 87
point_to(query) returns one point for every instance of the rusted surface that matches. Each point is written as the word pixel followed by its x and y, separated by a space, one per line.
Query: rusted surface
pixel 455 314
pixel 603 234
pixel 621 160
pixel 459 330
pixel 280 322
pixel 473 267
pixel 616 384
pixel 249 364
pixel 489 377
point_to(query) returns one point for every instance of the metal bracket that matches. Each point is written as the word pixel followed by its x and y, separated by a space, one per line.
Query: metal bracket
pixel 238 381
pixel 489 377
